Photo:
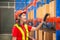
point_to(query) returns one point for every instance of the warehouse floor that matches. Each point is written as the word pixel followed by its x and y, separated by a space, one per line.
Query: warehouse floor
pixel 5 37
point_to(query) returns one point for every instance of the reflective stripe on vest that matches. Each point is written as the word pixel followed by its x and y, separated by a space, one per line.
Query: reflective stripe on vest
pixel 21 30
pixel 27 33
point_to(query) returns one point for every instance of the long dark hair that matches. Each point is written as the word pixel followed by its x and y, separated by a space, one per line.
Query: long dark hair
pixel 46 16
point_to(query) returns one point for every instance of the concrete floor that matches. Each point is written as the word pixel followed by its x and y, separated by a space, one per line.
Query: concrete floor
pixel 5 37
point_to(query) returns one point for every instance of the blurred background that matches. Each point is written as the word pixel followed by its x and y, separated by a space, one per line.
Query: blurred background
pixel 36 12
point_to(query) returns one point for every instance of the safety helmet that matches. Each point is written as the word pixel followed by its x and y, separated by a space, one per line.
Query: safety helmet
pixel 17 13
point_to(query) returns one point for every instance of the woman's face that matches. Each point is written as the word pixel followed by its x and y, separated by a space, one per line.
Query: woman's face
pixel 23 17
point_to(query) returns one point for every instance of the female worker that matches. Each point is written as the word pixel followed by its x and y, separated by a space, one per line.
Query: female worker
pixel 21 29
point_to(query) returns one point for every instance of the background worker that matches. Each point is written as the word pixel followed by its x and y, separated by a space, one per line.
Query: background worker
pixel 21 29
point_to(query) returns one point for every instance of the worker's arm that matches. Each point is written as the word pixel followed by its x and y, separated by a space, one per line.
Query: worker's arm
pixel 36 28
pixel 14 33
pixel 13 38
pixel 44 20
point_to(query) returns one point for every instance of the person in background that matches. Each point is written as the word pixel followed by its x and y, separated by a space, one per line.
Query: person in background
pixel 47 15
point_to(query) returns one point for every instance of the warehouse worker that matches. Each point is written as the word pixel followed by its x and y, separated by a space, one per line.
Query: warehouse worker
pixel 21 29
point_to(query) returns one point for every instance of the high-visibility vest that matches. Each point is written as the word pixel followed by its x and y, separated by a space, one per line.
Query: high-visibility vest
pixel 22 32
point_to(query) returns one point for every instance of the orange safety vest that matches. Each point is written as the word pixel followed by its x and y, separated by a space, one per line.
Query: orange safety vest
pixel 21 30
